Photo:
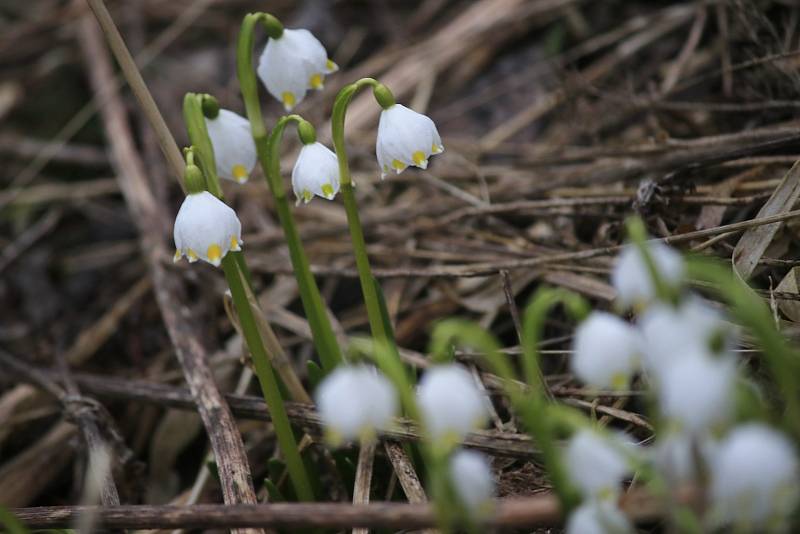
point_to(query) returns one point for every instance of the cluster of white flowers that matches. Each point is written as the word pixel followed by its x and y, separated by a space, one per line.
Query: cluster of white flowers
pixel 685 351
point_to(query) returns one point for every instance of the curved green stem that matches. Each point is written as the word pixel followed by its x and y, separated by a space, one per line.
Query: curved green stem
pixel 268 149
pixel 377 325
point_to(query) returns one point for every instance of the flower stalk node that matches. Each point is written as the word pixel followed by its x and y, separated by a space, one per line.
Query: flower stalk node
pixel 306 132
pixel 384 96
pixel 210 106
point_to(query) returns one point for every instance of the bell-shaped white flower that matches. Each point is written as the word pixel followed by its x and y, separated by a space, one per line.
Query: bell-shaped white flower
pixel 355 401
pixel 206 228
pixel 696 392
pixel 316 172
pixel 450 402
pixel 234 148
pixel 472 479
pixel 597 464
pixel 671 333
pixel 405 138
pixel 754 476
pixel 676 454
pixel 598 517
pixel 292 64
pixel 631 277
pixel 606 351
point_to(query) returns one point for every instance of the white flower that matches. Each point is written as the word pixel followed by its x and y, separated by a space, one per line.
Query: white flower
pixel 671 333
pixel 206 228
pixel 631 277
pixel 597 464
pixel 292 64
pixel 598 517
pixel 234 148
pixel 754 476
pixel 696 391
pixel 450 402
pixel 316 172
pixel 405 138
pixel 472 479
pixel 606 351
pixel 354 402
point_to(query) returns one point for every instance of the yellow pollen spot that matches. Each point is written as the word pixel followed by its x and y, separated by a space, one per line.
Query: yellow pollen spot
pixel 436 149
pixel 288 100
pixel 234 243
pixel 177 255
pixel 619 381
pixel 214 253
pixel 192 255
pixel 398 165
pixel 418 157
pixel 239 173
pixel 307 195
pixel 327 190
pixel 315 81
pixel 330 65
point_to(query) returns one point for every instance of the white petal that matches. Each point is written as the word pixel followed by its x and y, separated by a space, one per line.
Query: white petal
pixel 450 402
pixel 292 64
pixel 204 221
pixel 606 351
pixel 631 277
pixel 472 479
pixel 405 138
pixel 234 148
pixel 598 517
pixel 596 464
pixel 316 172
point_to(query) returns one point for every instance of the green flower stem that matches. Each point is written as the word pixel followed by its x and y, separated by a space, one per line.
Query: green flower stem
pixel 368 289
pixel 268 148
pixel 198 137
pixel 269 384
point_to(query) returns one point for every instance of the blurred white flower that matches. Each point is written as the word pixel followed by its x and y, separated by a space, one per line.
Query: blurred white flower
pixel 597 464
pixel 676 454
pixel 631 277
pixel 754 479
pixel 355 401
pixel 606 351
pixel 206 228
pixel 472 479
pixel 450 402
pixel 671 333
pixel 696 391
pixel 598 517
pixel 316 172
pixel 234 148
pixel 292 64
pixel 405 138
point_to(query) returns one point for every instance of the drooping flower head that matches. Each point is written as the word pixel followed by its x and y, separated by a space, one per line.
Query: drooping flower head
pixel 316 172
pixel 597 464
pixel 234 148
pixel 696 392
pixel 754 474
pixel 293 62
pixel 205 227
pixel 405 138
pixel 631 276
pixel 450 402
pixel 606 351
pixel 598 517
pixel 472 479
pixel 354 401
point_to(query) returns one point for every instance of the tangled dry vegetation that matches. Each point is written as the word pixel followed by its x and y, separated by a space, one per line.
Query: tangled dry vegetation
pixel 561 118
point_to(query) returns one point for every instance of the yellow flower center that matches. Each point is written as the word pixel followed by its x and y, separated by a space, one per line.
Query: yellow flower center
pixel 239 173
pixel 214 253
pixel 330 65
pixel 234 243
pixel 191 254
pixel 418 157
pixel 436 149
pixel 398 165
pixel 307 195
pixel 315 81
pixel 288 100
pixel 619 381
pixel 177 255
pixel 327 190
